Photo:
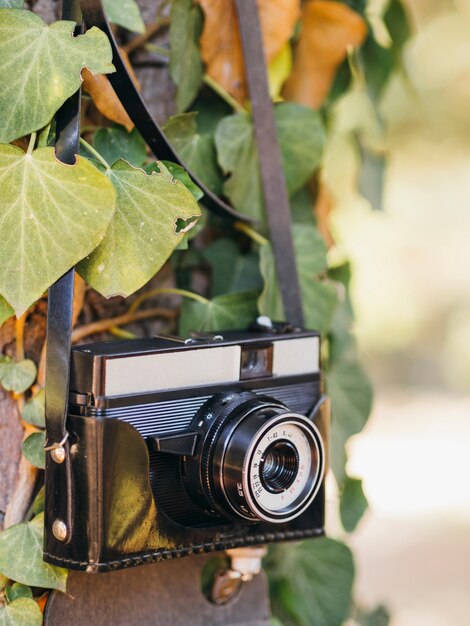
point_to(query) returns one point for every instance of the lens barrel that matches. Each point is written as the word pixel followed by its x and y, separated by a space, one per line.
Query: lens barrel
pixel 255 459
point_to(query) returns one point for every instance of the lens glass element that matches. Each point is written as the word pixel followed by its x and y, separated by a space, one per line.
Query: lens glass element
pixel 279 466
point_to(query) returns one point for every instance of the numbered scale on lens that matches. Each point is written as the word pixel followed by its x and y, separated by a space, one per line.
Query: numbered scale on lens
pixel 283 468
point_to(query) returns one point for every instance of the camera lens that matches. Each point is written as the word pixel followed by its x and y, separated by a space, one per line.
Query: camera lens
pixel 279 467
pixel 256 460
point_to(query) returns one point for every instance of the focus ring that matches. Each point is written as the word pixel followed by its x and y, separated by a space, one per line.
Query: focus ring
pixel 226 407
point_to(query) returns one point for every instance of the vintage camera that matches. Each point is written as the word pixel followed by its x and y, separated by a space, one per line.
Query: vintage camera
pixel 186 446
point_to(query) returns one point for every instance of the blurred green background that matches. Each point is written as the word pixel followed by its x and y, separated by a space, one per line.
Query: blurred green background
pixel 411 291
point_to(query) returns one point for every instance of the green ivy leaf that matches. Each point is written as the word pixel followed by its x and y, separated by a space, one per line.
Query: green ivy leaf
pixel 182 175
pixel 21 612
pixel 185 61
pixel 38 504
pixel 143 229
pixel 34 410
pixel 351 401
pixel 17 590
pixel 116 143
pixel 17 376
pixel 195 149
pixel 353 503
pixel 52 215
pixel 231 270
pixel 125 13
pixel 33 449
pixel 320 297
pixel 301 138
pixel 21 556
pixel 5 310
pixel 312 582
pixel 301 204
pixel 379 61
pixel 41 68
pixel 378 617
pixel 341 341
pixel 226 312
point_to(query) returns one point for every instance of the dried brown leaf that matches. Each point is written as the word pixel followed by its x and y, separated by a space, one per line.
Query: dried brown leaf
pixel 105 98
pixel 328 29
pixel 221 45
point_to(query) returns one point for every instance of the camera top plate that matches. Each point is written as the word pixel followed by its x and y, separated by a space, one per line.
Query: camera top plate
pixel 171 344
pixel 159 364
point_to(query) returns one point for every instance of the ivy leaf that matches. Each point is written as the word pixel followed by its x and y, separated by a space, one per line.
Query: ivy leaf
pixel 38 504
pixel 52 215
pixel 231 270
pixel 351 401
pixel 17 590
pixel 301 138
pixel 21 612
pixel 378 60
pixel 238 157
pixel 182 175
pixel 33 449
pixel 312 582
pixel 226 312
pixel 5 310
pixel 34 410
pixel 353 503
pixel 378 617
pixel 125 13
pixel 319 296
pixel 41 68
pixel 301 205
pixel 17 376
pixel 21 556
pixel 341 341
pixel 195 149
pixel 185 62
pixel 143 232
pixel 116 143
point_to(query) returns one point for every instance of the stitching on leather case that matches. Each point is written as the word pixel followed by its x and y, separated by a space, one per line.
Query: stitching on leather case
pixel 164 554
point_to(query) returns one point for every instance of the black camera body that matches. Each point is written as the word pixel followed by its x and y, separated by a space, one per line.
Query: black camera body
pixel 187 446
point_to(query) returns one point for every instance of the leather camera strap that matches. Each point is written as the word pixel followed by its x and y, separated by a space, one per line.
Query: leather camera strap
pixel 58 491
pixel 59 327
pixel 272 174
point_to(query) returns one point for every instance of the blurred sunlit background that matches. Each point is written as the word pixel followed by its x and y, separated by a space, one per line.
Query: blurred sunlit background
pixel 412 297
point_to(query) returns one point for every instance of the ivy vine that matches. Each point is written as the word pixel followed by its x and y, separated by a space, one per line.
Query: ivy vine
pixel 120 217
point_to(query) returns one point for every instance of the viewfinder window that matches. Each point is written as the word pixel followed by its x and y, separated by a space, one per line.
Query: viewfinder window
pixel 256 361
